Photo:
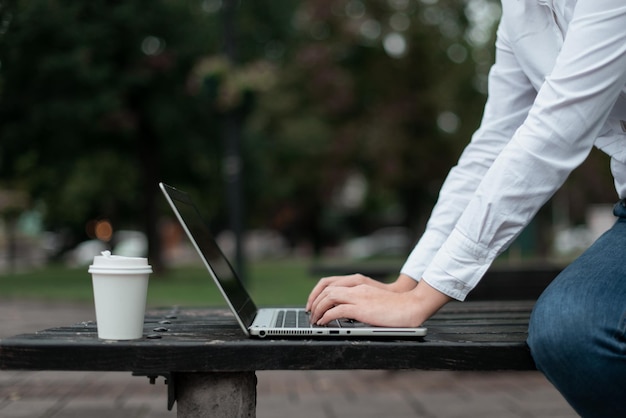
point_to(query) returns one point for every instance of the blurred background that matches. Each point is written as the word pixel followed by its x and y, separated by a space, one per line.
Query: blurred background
pixel 308 132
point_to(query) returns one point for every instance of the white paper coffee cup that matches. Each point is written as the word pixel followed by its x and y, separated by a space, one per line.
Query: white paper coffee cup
pixel 120 289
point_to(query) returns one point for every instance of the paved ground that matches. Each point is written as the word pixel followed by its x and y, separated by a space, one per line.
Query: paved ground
pixel 318 394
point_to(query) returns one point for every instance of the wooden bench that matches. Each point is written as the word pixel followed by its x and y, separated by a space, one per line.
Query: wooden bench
pixel 210 366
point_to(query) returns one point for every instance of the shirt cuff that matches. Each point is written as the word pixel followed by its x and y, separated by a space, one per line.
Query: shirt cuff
pixel 458 266
pixel 424 251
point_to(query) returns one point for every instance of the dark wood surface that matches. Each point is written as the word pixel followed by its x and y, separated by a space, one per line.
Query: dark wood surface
pixel 463 336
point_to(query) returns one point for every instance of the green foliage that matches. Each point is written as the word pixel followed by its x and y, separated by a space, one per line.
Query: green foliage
pixel 102 99
pixel 384 90
pixel 93 90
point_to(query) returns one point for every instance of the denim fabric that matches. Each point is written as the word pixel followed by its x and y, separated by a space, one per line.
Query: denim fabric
pixel 577 329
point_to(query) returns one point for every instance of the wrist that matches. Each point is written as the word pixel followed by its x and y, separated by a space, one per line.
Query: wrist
pixel 403 283
pixel 426 301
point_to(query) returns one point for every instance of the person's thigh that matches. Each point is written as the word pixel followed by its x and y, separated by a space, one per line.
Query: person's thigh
pixel 577 329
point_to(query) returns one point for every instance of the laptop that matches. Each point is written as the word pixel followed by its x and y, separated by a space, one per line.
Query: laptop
pixel 264 322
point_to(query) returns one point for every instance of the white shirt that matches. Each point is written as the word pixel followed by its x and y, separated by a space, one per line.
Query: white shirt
pixel 557 88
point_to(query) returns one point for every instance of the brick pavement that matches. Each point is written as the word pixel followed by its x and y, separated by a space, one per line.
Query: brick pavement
pixel 303 394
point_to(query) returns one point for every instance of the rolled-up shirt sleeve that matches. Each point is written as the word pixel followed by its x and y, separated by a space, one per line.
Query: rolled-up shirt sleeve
pixel 527 145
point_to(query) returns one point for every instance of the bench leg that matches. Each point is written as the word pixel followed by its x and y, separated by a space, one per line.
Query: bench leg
pixel 227 395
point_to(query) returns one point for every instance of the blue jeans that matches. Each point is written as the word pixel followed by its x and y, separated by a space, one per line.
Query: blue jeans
pixel 577 333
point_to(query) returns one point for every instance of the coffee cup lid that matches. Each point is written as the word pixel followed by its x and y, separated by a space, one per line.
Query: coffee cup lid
pixel 118 263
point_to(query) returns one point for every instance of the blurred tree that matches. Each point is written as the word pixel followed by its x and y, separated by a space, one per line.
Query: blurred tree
pixel 95 108
pixel 375 99
pixel 380 90
pixel 106 98
pixel 353 110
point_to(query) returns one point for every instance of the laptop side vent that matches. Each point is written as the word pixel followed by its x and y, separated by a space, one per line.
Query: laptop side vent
pixel 290 332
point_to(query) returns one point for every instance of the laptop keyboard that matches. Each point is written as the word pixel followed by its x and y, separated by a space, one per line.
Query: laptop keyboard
pixel 299 318
pixel 289 318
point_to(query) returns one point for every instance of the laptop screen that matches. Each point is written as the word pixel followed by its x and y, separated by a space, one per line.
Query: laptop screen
pixel 198 232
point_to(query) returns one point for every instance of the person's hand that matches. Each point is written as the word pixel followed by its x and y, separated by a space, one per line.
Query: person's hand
pixel 363 302
pixel 340 281
pixel 374 303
